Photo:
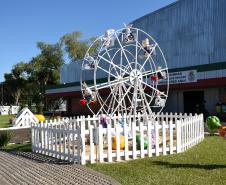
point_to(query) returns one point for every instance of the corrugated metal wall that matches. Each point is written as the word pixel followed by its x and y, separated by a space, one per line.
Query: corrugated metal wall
pixel 190 32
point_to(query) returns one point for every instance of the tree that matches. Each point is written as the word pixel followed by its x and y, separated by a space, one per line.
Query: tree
pixel 15 82
pixel 75 47
pixel 43 70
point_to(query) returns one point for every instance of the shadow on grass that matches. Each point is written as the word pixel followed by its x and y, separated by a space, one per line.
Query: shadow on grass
pixel 197 166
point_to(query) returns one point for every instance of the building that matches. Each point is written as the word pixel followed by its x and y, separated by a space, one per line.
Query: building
pixel 192 35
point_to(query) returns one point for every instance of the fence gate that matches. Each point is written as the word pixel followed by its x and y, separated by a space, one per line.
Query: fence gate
pixel 58 140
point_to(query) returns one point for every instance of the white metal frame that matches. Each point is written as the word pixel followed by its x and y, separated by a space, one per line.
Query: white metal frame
pixel 127 67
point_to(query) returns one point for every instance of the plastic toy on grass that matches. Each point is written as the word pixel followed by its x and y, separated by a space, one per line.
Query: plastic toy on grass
pixel 138 142
pixel 103 120
pixel 222 131
pixel 213 123
pixel 40 117
pixel 114 143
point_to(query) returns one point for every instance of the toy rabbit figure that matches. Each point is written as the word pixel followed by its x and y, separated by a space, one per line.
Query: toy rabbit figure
pixel 108 38
pixel 161 74
pixel 89 96
pixel 159 101
pixel 103 120
pixel 147 47
pixel 90 60
pixel 128 33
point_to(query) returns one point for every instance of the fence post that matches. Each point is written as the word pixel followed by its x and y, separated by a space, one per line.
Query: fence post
pixel 126 141
pixel 118 157
pixel 171 136
pixel 141 139
pixel 150 139
pixel 92 153
pixel 157 138
pixel 178 130
pixel 82 143
pixel 101 157
pixel 134 139
pixel 109 141
pixel 164 137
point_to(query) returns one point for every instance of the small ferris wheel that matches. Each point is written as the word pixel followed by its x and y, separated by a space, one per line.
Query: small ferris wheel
pixel 125 75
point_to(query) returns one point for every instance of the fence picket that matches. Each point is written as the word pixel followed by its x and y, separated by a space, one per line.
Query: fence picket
pixel 156 138
pixel 171 136
pixel 92 152
pixel 101 158
pixel 149 139
pixel 83 152
pixel 164 138
pixel 134 139
pixel 141 140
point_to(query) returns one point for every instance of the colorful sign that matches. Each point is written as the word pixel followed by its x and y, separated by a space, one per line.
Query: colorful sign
pixel 181 77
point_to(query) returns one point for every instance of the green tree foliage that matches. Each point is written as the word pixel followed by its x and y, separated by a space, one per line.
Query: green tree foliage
pixel 15 82
pixel 75 47
pixel 43 70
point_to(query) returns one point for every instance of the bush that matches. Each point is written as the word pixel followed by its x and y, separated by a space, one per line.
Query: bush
pixel 5 138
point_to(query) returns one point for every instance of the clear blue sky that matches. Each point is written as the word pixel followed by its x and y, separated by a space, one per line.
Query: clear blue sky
pixel 25 22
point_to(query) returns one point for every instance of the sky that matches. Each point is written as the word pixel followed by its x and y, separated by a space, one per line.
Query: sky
pixel 23 23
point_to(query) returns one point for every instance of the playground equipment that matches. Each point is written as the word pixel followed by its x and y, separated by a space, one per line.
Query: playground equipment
pixel 114 143
pixel 138 141
pixel 222 131
pixel 24 118
pixel 213 123
pixel 40 117
pixel 128 65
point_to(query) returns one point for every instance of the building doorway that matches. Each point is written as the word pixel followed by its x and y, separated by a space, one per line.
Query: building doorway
pixel 194 101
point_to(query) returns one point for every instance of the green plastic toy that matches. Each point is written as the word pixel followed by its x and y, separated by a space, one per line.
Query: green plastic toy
pixel 213 123
pixel 138 142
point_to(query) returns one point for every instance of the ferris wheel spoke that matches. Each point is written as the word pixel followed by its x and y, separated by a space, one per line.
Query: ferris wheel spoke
pixel 123 51
pixel 124 87
pixel 111 63
pixel 149 55
pixel 136 50
pixel 104 102
pixel 161 93
pixel 151 72
pixel 143 97
pixel 102 106
pixel 120 101
pixel 109 84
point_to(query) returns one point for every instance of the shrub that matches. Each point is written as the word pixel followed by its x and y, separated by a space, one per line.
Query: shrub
pixel 5 138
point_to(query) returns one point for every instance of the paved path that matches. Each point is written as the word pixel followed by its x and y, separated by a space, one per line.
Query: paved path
pixel 17 168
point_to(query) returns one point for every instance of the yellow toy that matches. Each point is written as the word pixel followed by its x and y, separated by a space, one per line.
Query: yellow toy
pixel 122 142
pixel 40 117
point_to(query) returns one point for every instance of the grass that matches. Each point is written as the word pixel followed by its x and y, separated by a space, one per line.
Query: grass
pixel 26 147
pixel 4 121
pixel 204 164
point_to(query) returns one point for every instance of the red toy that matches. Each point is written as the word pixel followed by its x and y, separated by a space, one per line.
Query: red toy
pixel 154 78
pixel 83 102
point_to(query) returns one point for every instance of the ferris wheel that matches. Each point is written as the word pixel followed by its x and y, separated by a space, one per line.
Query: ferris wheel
pixel 127 74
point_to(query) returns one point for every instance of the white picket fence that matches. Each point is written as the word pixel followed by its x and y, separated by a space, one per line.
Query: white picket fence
pixel 72 139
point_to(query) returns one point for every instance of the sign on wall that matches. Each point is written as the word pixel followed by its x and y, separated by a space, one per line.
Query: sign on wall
pixel 181 77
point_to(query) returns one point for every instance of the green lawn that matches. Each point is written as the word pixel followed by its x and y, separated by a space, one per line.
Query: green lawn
pixel 4 120
pixel 26 147
pixel 204 164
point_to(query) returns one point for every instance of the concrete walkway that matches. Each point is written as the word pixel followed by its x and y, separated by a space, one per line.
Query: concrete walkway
pixel 18 168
